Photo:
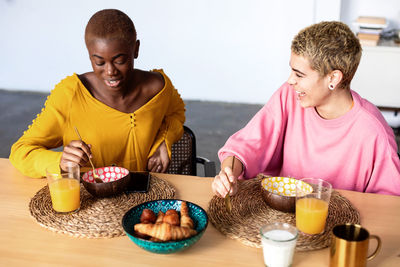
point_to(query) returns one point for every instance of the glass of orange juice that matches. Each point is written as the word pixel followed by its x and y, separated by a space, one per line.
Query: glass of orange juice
pixel 64 188
pixel 312 208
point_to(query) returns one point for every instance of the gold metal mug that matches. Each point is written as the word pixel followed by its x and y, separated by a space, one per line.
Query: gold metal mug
pixel 349 246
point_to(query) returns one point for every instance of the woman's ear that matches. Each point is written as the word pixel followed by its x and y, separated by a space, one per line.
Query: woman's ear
pixel 136 51
pixel 335 77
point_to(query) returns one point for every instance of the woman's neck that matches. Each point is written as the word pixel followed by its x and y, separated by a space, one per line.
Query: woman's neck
pixel 338 103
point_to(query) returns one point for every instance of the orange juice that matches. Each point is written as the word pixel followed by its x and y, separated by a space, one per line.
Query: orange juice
pixel 65 195
pixel 311 215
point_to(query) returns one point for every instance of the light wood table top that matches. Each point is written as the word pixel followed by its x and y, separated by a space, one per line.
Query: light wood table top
pixel 24 242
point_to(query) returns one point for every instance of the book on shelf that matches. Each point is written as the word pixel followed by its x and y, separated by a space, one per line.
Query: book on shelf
pixel 368 39
pixel 367 36
pixel 371 22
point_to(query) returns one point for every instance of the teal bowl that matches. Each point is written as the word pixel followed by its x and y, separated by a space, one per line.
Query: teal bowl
pixel 132 217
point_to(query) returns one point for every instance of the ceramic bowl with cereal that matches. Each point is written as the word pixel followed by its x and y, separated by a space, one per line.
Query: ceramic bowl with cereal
pixel 115 181
pixel 280 192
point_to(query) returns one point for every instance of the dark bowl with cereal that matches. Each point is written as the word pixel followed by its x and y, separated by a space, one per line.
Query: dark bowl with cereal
pixel 115 181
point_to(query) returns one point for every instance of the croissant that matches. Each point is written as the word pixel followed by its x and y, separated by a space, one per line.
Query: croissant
pixel 171 217
pixel 186 221
pixel 171 211
pixel 164 231
pixel 160 217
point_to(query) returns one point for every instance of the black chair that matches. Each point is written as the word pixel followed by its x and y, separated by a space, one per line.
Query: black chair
pixel 184 158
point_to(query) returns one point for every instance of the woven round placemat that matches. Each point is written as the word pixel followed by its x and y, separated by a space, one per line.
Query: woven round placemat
pixel 97 217
pixel 250 212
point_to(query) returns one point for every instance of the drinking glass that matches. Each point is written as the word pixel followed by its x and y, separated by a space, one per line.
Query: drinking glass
pixel 312 208
pixel 279 242
pixel 64 188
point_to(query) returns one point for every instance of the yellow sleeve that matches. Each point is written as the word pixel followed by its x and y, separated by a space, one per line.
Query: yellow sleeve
pixel 171 129
pixel 31 154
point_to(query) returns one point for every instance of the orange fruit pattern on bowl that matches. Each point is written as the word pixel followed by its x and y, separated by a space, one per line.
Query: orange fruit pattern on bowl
pixel 284 186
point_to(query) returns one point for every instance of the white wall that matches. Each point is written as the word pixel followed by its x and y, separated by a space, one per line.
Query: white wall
pixel 235 51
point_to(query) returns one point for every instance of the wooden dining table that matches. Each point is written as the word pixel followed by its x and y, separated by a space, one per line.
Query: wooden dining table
pixel 24 242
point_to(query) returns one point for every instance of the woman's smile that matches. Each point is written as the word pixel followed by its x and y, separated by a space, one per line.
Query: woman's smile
pixel 112 83
pixel 300 94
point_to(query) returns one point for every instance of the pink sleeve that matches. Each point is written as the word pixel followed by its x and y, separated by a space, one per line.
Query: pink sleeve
pixel 385 177
pixel 385 169
pixel 259 144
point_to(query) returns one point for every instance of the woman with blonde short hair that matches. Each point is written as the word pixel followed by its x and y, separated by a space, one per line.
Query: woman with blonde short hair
pixel 314 125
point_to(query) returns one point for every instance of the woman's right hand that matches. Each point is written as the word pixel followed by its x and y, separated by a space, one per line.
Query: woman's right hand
pixel 223 182
pixel 77 152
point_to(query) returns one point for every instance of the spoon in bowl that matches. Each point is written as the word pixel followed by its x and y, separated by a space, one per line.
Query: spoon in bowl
pixel 95 176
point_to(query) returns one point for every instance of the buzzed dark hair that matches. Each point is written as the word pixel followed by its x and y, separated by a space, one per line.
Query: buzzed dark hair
pixel 110 24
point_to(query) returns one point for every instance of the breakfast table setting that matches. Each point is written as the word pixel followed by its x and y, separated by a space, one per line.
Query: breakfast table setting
pixel 105 229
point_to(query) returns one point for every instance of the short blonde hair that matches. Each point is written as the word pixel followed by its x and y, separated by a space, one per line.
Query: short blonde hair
pixel 329 45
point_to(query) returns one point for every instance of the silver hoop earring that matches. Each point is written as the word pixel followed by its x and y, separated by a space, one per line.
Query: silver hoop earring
pixel 331 87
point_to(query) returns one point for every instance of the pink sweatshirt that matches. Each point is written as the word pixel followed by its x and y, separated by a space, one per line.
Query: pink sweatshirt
pixel 356 151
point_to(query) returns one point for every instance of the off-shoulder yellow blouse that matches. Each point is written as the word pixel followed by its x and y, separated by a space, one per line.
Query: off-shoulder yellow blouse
pixel 124 139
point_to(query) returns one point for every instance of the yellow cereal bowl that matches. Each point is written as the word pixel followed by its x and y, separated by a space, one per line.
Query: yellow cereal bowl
pixel 280 192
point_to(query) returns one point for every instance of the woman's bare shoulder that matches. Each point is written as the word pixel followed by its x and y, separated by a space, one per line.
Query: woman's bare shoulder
pixel 151 81
pixel 86 77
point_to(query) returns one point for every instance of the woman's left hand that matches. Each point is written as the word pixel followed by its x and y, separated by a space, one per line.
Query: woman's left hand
pixel 159 161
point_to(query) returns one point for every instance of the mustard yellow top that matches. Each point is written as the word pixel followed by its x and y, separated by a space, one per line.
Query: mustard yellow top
pixel 124 139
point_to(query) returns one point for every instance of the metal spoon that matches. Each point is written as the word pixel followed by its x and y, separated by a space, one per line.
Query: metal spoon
pixel 95 176
pixel 228 204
